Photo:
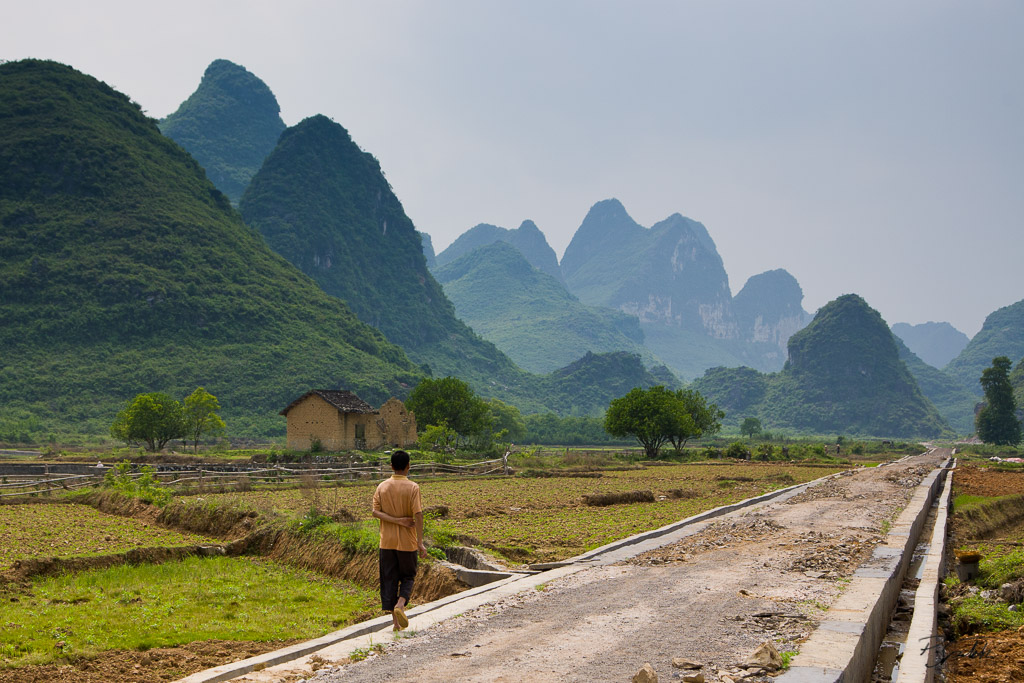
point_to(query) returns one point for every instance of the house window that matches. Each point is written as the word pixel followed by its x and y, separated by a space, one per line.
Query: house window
pixel 360 431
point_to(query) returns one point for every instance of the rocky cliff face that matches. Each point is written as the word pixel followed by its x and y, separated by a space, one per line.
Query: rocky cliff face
pixel 672 278
pixel 229 125
pixel 769 309
pixel 428 249
pixel 670 274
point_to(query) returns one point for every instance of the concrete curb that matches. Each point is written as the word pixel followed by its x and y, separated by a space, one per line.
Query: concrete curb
pixel 504 586
pixel 919 657
pixel 845 645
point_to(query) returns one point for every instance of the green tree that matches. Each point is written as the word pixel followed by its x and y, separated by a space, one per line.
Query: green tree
pixel 652 416
pixel 702 418
pixel 750 427
pixel 506 421
pixel 152 419
pixel 438 439
pixel 997 421
pixel 201 418
pixel 452 402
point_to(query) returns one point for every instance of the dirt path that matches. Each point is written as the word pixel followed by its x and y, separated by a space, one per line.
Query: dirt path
pixel 764 574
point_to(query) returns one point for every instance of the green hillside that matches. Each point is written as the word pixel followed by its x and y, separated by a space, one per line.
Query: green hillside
pixel 844 376
pixel 586 386
pixel 1001 335
pixel 952 399
pixel 123 270
pixel 530 315
pixel 1017 381
pixel 229 125
pixel 323 204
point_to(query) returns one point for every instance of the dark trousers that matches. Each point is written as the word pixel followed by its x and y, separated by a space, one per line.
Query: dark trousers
pixel 397 572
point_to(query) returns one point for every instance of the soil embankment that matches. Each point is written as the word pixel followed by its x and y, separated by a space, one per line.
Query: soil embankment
pixel 995 525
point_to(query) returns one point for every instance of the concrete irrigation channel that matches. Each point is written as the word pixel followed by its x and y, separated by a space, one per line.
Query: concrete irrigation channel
pixel 816 568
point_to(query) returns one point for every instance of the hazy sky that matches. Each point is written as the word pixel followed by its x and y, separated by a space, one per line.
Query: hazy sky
pixel 867 147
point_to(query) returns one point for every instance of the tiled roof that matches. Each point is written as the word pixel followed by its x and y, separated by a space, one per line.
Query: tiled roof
pixel 344 401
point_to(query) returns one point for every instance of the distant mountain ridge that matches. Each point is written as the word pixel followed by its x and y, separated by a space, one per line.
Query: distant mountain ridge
pixel 935 343
pixel 670 274
pixel 527 238
pixel 672 277
pixel 528 314
pixel 324 204
pixel 229 125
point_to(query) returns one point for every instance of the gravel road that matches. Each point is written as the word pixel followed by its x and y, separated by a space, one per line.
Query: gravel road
pixel 766 574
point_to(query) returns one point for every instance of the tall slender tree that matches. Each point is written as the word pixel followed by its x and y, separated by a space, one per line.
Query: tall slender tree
pixel 997 421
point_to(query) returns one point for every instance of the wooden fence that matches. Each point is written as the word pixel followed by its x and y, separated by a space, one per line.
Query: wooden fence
pixel 184 479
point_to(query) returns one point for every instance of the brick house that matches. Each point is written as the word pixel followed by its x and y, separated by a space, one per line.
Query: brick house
pixel 342 421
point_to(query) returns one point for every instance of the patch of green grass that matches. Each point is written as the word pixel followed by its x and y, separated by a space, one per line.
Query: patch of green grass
pixel 147 606
pixel 965 501
pixel 787 657
pixel 361 653
pixel 999 565
pixel 974 613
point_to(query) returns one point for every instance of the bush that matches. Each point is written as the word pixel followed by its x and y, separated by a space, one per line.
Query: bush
pixel 738 450
pixel 145 487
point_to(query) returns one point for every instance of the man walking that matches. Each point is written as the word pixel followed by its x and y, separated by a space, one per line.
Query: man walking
pixel 396 503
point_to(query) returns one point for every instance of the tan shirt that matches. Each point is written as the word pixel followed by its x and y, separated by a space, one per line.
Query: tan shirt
pixel 397 497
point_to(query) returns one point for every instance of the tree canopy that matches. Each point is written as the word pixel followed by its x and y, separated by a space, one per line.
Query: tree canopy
pixel 750 427
pixel 152 419
pixel 200 415
pixel 656 416
pixel 997 421
pixel 449 401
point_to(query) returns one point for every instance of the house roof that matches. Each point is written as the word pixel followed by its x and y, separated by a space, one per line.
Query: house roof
pixel 344 401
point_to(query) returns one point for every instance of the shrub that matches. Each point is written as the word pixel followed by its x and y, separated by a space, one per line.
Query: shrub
pixel 145 487
pixel 738 450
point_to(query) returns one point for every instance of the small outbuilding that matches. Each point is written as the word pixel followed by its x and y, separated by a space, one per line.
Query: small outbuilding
pixel 342 421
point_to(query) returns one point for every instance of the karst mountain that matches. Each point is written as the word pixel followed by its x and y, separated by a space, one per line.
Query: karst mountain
pixel 844 375
pixel 125 270
pixel 229 125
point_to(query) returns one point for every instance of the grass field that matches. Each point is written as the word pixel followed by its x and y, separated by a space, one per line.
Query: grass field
pixel 545 518
pixel 68 530
pixel 147 606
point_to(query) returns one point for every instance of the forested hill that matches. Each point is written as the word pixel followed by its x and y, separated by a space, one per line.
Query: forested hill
pixel 843 376
pixel 229 124
pixel 123 270
pixel 323 203
pixel 1002 334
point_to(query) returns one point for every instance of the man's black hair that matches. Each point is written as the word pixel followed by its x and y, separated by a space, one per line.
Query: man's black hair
pixel 399 460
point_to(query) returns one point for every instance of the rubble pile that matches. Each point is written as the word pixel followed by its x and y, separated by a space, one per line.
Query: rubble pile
pixel 829 556
pixel 716 536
